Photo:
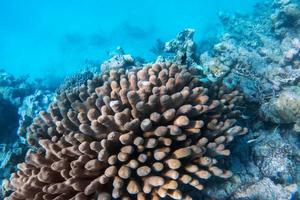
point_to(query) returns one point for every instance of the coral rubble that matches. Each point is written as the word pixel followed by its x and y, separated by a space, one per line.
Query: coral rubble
pixel 147 133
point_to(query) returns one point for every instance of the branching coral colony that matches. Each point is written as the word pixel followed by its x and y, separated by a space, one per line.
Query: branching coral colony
pixel 140 135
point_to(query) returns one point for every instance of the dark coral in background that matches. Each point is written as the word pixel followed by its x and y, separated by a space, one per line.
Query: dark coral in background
pixel 141 134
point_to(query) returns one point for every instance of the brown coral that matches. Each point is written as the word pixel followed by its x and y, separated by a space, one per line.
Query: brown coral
pixel 136 135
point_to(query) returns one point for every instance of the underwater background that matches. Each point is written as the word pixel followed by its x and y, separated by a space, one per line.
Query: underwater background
pixel 246 54
pixel 37 38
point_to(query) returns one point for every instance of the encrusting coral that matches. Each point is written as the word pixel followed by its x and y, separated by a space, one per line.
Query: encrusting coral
pixel 141 134
pixel 285 108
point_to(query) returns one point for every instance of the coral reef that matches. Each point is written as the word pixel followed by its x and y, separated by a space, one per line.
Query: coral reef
pixel 284 108
pixel 263 62
pixel 75 80
pixel 265 158
pixel 165 130
pixel 275 156
pixel 12 93
pixel 119 60
pixel 214 69
pixel 183 46
pixel 18 103
pixel 273 60
pixel 148 133
pixel 259 54
pixel 10 155
pixel 89 70
pixel 286 18
pixel 264 189
pixel 14 89
pixel 30 108
pixel 8 113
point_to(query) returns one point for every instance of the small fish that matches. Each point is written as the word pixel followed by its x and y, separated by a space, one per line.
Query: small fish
pixel 245 117
pixel 250 141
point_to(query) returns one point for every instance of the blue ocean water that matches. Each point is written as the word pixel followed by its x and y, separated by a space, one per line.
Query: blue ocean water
pixel 55 38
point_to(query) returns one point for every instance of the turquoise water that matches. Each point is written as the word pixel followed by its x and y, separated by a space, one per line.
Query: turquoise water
pixel 55 38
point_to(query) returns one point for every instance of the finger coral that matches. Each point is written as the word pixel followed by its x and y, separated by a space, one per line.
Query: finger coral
pixel 142 134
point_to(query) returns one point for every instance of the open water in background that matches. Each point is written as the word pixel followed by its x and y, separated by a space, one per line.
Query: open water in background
pixel 55 38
